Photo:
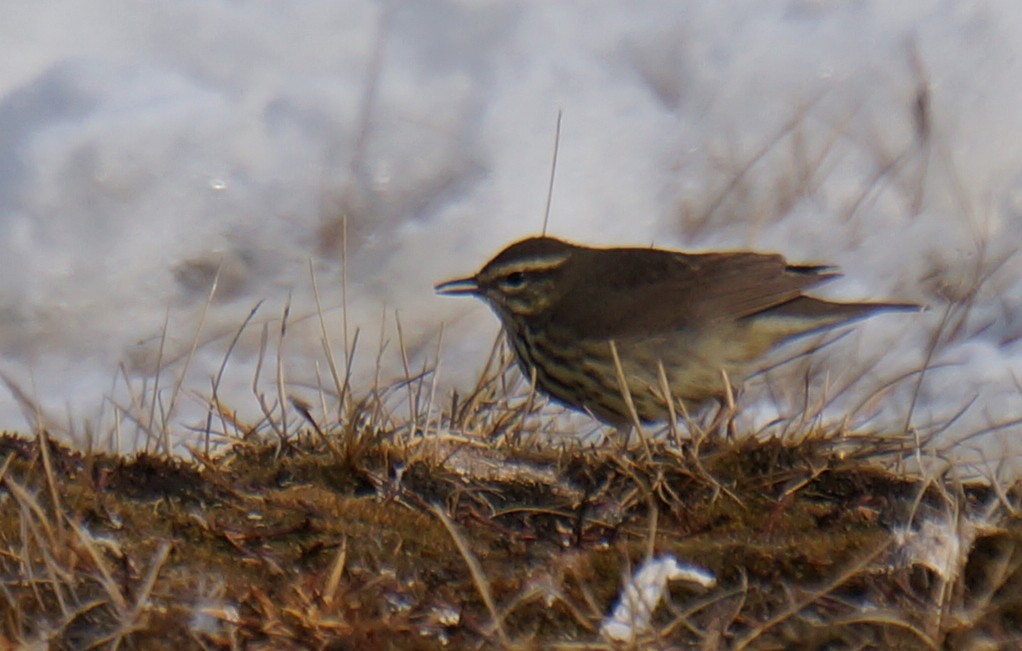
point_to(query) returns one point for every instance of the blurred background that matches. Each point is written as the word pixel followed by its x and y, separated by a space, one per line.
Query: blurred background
pixel 147 149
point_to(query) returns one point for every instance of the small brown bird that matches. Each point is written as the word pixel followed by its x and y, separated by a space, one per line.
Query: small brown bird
pixel 680 319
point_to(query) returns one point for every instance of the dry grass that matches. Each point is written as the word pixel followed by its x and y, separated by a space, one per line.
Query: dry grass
pixel 454 526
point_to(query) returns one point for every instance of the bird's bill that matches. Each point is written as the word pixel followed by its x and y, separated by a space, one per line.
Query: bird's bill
pixel 459 287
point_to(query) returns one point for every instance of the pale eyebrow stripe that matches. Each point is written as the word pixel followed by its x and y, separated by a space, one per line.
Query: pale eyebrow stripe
pixel 542 264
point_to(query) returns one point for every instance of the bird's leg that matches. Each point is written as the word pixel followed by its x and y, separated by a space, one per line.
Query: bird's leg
pixel 727 410
pixel 724 420
pixel 672 411
pixel 623 433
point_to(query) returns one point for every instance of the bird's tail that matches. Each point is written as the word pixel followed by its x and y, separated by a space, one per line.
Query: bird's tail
pixel 806 315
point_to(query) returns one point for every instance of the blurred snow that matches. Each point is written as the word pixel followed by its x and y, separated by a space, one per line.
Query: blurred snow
pixel 145 146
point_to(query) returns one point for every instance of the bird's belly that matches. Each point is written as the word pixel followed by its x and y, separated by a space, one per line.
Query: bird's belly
pixel 694 370
pixel 583 373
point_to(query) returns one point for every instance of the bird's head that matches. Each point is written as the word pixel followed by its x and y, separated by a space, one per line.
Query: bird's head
pixel 521 281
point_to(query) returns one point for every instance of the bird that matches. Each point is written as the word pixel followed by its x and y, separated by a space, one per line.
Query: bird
pixel 599 328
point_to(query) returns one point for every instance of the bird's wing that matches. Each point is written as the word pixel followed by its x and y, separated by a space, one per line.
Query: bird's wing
pixel 628 294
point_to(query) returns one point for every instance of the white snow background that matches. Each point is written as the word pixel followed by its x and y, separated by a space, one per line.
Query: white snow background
pixel 145 145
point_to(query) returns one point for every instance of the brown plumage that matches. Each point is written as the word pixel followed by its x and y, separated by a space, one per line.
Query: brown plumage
pixel 698 315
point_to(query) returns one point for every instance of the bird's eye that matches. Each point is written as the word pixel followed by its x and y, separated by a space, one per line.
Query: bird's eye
pixel 514 280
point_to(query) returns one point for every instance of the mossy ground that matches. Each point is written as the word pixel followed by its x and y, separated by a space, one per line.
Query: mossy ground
pixel 334 541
